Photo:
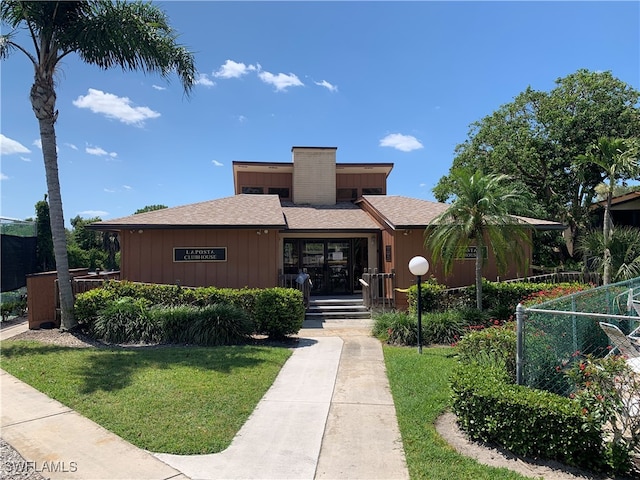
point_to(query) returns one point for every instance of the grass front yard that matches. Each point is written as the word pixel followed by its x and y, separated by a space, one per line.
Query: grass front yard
pixel 192 400
pixel 420 388
pixel 183 400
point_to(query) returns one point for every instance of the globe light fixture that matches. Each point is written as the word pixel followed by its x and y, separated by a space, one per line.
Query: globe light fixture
pixel 419 266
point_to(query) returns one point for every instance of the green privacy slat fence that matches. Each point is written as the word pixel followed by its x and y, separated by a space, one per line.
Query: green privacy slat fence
pixel 554 334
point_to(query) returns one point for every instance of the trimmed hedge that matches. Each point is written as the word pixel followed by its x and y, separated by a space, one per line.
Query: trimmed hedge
pixel 527 422
pixel 278 312
pixel 204 316
pixel 494 346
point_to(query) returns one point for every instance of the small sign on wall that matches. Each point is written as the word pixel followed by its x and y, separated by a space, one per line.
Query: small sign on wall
pixel 387 253
pixel 470 253
pixel 200 254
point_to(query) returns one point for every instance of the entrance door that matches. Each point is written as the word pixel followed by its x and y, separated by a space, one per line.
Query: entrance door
pixel 328 263
pixel 338 256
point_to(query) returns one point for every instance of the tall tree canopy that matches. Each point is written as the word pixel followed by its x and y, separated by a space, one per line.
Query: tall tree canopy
pixel 537 138
pixel 482 214
pixel 130 35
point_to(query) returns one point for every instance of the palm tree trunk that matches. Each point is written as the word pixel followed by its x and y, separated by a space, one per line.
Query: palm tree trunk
pixel 479 276
pixel 606 233
pixel 43 100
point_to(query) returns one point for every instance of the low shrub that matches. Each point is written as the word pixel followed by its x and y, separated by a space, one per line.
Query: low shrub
pixel 219 324
pixel 174 320
pixel 396 328
pixel 88 304
pixel 494 346
pixel 16 307
pixel 278 312
pixel 432 296
pixel 527 422
pixel 127 320
pixel 443 328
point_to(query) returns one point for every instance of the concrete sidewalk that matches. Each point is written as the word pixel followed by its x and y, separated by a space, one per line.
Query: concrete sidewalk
pixel 328 415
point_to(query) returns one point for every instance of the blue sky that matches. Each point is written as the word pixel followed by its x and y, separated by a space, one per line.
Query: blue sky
pixel 392 82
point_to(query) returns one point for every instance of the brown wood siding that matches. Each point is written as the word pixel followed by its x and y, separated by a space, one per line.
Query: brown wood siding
pixel 252 259
pixel 265 180
pixel 360 181
pixel 462 273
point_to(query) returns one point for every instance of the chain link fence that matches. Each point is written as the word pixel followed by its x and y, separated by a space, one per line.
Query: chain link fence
pixel 555 334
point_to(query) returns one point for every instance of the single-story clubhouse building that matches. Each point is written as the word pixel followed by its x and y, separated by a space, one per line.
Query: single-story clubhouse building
pixel 332 220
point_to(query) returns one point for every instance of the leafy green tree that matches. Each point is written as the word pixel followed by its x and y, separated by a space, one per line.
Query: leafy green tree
pixel 45 258
pixel 130 35
pixel 85 238
pixel 537 137
pixel 149 208
pixel 482 214
pixel 617 159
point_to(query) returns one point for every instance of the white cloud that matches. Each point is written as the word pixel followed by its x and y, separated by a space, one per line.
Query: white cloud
pixel 203 79
pixel 242 118
pixel 327 85
pixel 95 151
pixel 158 87
pixel 72 146
pixel 9 146
pixel 100 152
pixel 93 213
pixel 404 143
pixel 112 106
pixel 423 185
pixel 217 163
pixel 281 81
pixel 127 187
pixel 108 190
pixel 25 159
pixel 232 69
pixel 3 176
pixel 38 143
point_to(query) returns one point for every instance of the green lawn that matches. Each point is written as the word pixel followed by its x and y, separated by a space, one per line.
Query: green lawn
pixel 184 400
pixel 420 388
pixel 192 400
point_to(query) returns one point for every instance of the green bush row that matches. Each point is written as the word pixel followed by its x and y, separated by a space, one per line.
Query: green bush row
pixel 499 299
pixel 276 312
pixel 527 422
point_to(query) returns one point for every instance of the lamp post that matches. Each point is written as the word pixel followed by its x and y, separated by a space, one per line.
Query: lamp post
pixel 419 266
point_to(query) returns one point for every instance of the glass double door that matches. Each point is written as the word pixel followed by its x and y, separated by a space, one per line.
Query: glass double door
pixel 328 263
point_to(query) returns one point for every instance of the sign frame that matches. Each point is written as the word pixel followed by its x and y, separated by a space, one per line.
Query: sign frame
pixel 210 254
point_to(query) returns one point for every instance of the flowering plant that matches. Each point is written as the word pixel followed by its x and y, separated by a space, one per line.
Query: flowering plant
pixel 609 393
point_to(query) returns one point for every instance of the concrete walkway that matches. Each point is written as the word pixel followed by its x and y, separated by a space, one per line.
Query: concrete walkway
pixel 328 415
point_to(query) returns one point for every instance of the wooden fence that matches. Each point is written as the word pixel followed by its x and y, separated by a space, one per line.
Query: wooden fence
pixel 378 289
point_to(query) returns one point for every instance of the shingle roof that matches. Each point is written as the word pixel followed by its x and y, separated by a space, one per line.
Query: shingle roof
pixel 266 211
pixel 342 216
pixel 236 211
pixel 404 212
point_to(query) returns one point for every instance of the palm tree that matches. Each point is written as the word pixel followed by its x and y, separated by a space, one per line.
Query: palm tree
pixel 624 247
pixel 133 36
pixel 617 157
pixel 481 215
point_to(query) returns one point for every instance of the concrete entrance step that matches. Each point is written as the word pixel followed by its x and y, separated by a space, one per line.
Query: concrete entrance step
pixel 324 309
